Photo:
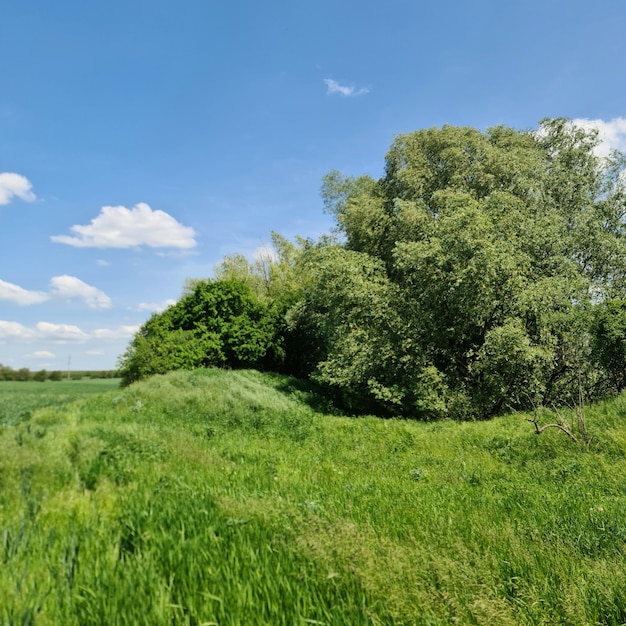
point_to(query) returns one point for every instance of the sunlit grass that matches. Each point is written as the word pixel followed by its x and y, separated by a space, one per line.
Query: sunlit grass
pixel 229 498
pixel 19 399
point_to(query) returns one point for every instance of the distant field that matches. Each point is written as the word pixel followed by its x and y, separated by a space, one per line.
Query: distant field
pixel 19 399
pixel 231 498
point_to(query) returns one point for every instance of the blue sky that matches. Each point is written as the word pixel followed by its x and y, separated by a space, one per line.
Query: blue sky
pixel 141 141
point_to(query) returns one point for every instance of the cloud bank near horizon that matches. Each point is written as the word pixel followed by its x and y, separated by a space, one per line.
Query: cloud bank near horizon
pixel 61 333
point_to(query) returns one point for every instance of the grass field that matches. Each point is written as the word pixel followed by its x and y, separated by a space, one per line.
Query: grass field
pixel 230 498
pixel 18 400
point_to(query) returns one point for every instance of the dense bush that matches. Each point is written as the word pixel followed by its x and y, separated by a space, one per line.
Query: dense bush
pixel 216 323
pixel 609 340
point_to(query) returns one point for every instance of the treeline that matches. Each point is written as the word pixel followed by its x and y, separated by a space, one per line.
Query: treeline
pixel 25 374
pixel 485 271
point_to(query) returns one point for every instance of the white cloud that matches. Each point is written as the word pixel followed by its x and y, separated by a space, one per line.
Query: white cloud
pixel 41 354
pixel 612 134
pixel 121 332
pixel 95 352
pixel 102 263
pixel 155 307
pixel 18 295
pixel 332 87
pixel 119 227
pixel 265 254
pixel 15 330
pixel 61 333
pixel 72 287
pixel 14 185
pixel 60 287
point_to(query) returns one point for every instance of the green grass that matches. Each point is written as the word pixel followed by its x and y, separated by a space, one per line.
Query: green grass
pixel 19 399
pixel 230 498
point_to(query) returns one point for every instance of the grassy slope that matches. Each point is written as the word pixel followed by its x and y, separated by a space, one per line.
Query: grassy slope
pixel 222 498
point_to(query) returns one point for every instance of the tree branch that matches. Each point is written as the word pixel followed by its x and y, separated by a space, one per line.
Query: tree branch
pixel 540 429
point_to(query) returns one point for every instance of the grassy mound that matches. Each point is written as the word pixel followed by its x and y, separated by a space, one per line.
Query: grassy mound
pixel 215 497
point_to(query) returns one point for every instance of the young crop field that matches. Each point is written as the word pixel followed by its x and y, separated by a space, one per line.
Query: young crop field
pixel 19 399
pixel 238 498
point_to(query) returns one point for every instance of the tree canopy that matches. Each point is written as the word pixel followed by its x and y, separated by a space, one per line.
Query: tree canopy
pixel 493 248
pixel 484 270
pixel 216 323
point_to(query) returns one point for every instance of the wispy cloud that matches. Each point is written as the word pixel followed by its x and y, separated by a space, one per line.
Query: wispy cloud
pixel 60 333
pixel 15 185
pixel 41 354
pixel 72 287
pixel 121 332
pixel 155 307
pixel 612 134
pixel 21 296
pixel 15 330
pixel 119 227
pixel 60 287
pixel 333 87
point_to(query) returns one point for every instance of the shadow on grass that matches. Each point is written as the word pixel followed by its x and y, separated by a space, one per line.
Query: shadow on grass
pixel 305 391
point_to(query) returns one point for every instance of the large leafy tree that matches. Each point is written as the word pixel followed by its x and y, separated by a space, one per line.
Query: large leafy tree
pixel 492 248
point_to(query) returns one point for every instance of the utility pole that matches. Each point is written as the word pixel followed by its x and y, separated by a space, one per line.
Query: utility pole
pixel 69 365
